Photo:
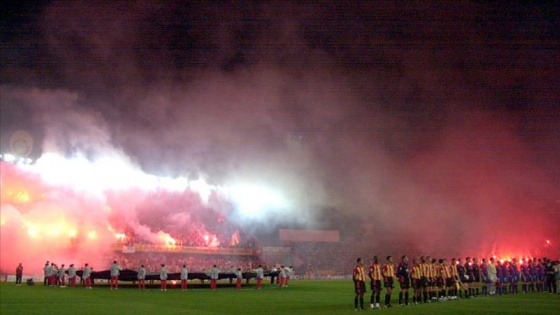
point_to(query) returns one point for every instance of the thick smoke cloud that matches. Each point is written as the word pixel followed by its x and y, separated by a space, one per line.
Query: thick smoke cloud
pixel 414 121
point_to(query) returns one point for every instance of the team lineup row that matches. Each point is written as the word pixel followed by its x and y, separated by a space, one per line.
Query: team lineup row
pixel 437 279
pixel 57 276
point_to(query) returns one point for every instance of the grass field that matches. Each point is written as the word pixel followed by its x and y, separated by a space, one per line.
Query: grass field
pixel 302 297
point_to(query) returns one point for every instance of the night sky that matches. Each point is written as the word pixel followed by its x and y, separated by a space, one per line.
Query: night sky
pixel 416 117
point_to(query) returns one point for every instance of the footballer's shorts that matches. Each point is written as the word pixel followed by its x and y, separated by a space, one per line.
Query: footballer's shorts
pixel 417 284
pixel 449 282
pixel 360 287
pixel 404 283
pixel 375 285
pixel 388 281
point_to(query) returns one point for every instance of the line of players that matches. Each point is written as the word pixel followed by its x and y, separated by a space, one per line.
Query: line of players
pixel 56 276
pixel 438 280
pixel 284 275
pixel 213 273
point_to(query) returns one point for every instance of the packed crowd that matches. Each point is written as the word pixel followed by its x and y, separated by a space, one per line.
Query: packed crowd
pixel 187 229
pixel 435 280
pixel 195 238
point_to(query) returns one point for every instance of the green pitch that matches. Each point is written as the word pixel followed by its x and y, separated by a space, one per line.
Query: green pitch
pixel 302 297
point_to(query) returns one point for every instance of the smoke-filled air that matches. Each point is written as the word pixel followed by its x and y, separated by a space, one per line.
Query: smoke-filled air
pixel 411 128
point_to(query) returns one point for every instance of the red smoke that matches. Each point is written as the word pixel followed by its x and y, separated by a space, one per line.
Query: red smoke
pixel 61 223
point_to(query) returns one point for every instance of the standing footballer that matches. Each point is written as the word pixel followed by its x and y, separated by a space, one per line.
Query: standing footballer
pixel 163 277
pixel 403 274
pixel 260 276
pixel 141 277
pixel 388 272
pixel 115 272
pixel 359 278
pixel 86 275
pixel 375 277
pixel 184 277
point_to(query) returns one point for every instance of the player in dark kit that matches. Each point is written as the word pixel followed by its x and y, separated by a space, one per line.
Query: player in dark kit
pixel 463 277
pixel 499 277
pixel 476 276
pixel 550 276
pixel 484 277
pixel 539 275
pixel 469 279
pixel 505 281
pixel 359 278
pixel 514 276
pixel 525 276
pixel 403 274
